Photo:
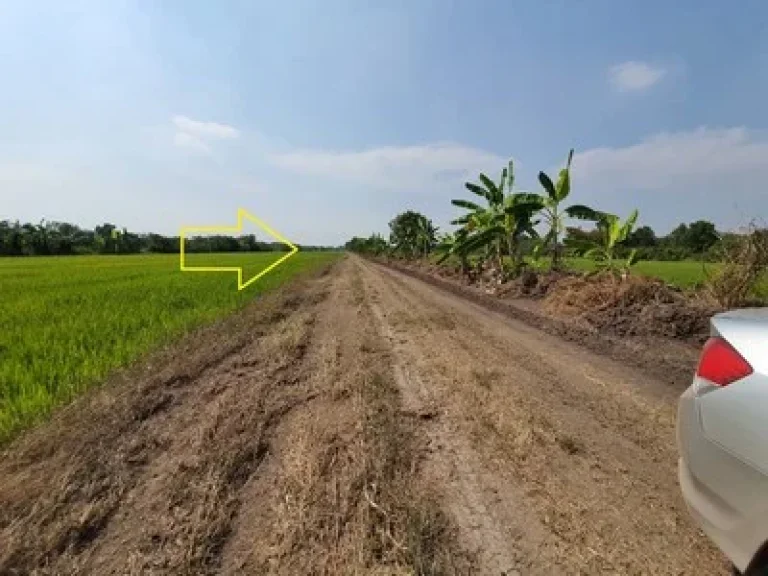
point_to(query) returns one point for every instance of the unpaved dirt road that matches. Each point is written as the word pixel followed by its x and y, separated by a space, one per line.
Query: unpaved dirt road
pixel 359 422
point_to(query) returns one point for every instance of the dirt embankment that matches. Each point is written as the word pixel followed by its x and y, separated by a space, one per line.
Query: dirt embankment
pixel 361 422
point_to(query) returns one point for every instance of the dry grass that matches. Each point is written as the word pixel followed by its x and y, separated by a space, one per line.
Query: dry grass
pixel 635 306
pixel 406 525
pixel 344 489
pixel 746 261
pixel 580 294
pixel 348 502
pixel 485 377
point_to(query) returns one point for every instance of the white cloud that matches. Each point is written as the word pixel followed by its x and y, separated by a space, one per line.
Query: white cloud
pixel 205 129
pixel 392 167
pixel 196 135
pixel 714 173
pixel 185 140
pixel 670 157
pixel 634 76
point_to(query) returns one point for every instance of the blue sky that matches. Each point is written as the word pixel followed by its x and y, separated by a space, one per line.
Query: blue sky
pixel 327 118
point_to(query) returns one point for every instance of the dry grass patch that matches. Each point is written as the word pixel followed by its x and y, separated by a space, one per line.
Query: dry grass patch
pixel 348 502
pixel 746 262
pixel 636 306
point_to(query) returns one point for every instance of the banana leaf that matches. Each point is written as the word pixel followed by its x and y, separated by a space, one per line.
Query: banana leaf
pixel 467 204
pixel 479 190
pixel 482 238
pixel 549 187
pixel 495 195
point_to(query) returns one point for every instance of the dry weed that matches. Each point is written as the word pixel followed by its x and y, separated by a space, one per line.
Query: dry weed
pixel 745 263
pixel 636 306
pixel 406 527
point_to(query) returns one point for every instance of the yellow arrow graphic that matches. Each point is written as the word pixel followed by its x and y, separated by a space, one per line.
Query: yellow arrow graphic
pixel 242 215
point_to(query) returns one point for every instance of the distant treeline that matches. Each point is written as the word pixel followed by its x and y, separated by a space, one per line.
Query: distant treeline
pixel 696 240
pixel 62 238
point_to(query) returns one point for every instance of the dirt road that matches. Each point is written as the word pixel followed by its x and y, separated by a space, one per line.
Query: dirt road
pixel 359 422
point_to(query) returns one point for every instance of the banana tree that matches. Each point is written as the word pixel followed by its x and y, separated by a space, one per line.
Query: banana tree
pixel 519 211
pixel 505 219
pixel 426 234
pixel 481 222
pixel 612 233
pixel 484 231
pixel 454 245
pixel 412 234
pixel 556 192
pixel 536 262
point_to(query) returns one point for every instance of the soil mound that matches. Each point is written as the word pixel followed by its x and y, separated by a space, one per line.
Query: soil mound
pixel 538 284
pixel 532 284
pixel 635 306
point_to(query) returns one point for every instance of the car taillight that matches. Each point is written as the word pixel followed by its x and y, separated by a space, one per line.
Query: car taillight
pixel 721 364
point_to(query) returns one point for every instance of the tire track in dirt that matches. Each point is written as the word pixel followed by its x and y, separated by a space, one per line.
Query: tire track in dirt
pixel 336 494
pixel 491 517
pixel 469 494
pixel 587 442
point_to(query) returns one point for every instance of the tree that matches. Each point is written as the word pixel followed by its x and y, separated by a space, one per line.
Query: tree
pixel 678 236
pixel 426 235
pixel 554 217
pixel 130 243
pixel 643 237
pixel 687 239
pixel 29 240
pixel 412 233
pixel 161 244
pixel 504 220
pixel 455 245
pixel 375 244
pixel 701 236
pixel 612 232
pixel 103 240
pixel 16 240
pixel 10 238
pixel 576 239
pixel 248 243
pixel 52 237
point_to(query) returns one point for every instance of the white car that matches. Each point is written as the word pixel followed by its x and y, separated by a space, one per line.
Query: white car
pixel 722 436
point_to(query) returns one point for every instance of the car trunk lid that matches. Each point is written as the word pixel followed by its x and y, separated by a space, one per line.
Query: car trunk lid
pixel 735 416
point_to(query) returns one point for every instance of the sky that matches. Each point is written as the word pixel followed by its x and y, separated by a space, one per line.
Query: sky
pixel 326 118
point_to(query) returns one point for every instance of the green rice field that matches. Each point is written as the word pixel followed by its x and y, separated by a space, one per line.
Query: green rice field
pixel 683 273
pixel 67 322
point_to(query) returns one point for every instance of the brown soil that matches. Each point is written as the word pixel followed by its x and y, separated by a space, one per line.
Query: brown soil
pixel 636 307
pixel 533 284
pixel 360 422
pixel 666 359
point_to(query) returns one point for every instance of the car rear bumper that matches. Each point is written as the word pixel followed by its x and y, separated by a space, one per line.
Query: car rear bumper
pixel 726 497
pixel 709 511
